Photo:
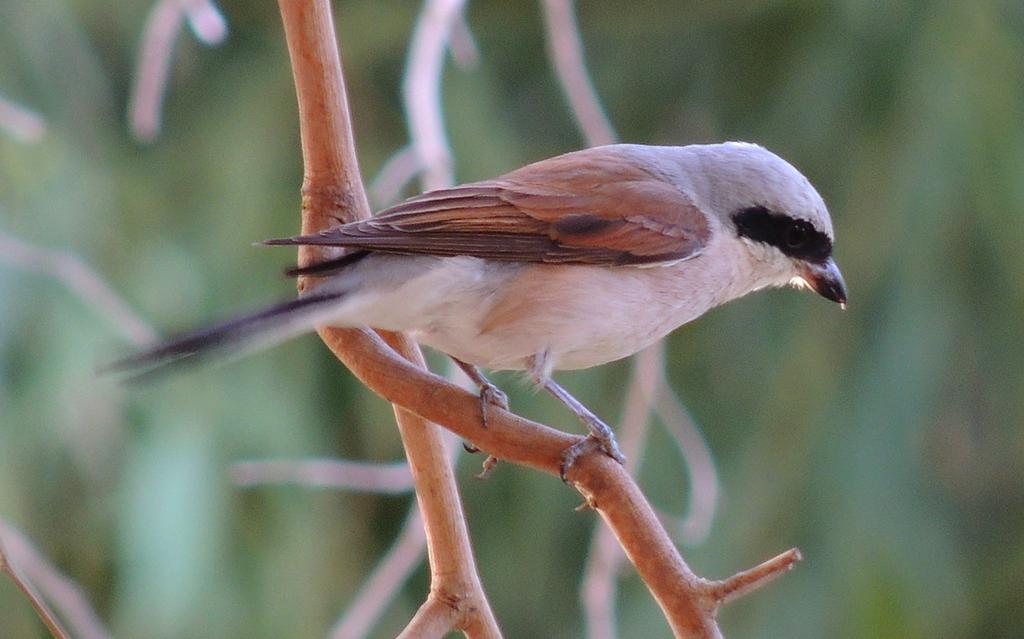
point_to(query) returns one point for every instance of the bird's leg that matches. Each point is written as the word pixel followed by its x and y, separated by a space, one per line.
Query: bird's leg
pixel 600 437
pixel 489 395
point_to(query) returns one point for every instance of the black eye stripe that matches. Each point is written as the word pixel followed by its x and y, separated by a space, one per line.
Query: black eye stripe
pixel 795 238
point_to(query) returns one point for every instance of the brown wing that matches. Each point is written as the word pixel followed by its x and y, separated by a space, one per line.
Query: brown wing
pixel 588 207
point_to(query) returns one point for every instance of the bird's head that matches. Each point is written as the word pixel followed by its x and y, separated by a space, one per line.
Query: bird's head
pixel 771 216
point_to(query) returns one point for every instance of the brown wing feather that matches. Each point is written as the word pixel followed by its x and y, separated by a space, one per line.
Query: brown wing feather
pixel 588 207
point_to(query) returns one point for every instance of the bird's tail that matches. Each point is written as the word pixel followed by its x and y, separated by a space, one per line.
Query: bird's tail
pixel 266 327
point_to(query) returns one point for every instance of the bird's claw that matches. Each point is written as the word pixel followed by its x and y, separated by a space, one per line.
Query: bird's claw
pixel 491 395
pixel 592 442
pixel 488 467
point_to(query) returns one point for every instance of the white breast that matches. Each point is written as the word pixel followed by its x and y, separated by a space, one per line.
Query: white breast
pixel 499 315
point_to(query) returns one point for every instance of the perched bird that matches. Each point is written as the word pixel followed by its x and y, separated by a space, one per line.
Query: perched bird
pixel 566 263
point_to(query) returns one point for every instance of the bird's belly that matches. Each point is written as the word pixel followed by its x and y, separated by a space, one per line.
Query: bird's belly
pixel 576 317
pixel 568 349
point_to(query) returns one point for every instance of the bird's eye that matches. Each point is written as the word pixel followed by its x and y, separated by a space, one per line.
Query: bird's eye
pixel 797 235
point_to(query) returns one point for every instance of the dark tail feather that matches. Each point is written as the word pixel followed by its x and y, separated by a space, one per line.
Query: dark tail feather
pixel 316 239
pixel 327 267
pixel 263 328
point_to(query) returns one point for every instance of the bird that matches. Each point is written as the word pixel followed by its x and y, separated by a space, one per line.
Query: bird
pixel 566 263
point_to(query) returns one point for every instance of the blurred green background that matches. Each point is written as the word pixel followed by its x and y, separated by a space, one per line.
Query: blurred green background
pixel 885 441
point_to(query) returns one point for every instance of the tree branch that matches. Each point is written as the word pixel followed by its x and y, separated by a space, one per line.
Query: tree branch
pixel 332 190
pixel 433 620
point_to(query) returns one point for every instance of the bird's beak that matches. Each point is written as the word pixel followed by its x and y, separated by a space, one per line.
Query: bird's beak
pixel 826 280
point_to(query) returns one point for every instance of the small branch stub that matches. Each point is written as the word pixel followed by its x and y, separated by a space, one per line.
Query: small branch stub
pixel 742 583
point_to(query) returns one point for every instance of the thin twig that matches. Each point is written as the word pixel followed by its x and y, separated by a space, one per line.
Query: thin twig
pixel 21 123
pixel 722 592
pixel 565 48
pixel 385 479
pixel 81 280
pixel 28 569
pixel 154 64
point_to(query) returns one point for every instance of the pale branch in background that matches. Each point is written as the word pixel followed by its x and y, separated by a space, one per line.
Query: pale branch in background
pixel 441 25
pixel 565 48
pixel 695 526
pixel 154 63
pixel 206 21
pixel 405 554
pixel 21 123
pixel 29 571
pixel 424 66
pixel 384 583
pixel 390 573
pixel 393 177
pixel 421 90
pixel 83 282
pixel 386 479
pixel 461 43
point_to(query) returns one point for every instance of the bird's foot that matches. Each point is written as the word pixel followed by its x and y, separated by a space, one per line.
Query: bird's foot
pixel 491 395
pixel 601 438
pixel 488 467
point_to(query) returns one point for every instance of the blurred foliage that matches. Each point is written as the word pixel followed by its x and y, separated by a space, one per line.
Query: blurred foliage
pixel 885 442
